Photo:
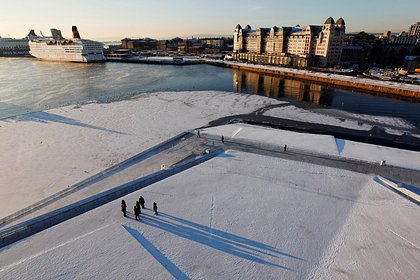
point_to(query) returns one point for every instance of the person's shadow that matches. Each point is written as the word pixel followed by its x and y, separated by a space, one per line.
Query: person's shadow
pixel 220 240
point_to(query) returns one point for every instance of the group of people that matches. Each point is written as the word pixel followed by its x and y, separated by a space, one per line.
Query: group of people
pixel 137 208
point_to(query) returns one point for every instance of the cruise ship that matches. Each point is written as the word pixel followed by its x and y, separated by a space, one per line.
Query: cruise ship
pixel 14 47
pixel 57 48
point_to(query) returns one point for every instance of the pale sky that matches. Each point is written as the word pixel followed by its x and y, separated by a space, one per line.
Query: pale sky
pixel 117 19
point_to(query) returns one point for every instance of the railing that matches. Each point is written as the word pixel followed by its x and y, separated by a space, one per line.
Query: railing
pixel 71 189
pixel 47 220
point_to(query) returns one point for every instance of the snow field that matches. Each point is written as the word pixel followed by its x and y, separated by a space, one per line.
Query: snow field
pixel 319 144
pixel 236 216
pixel 43 153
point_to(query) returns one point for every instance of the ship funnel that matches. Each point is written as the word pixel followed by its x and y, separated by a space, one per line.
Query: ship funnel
pixel 76 34
pixel 31 34
pixel 56 34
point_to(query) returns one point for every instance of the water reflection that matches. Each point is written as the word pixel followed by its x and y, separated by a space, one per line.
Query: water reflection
pixel 28 85
pixel 278 87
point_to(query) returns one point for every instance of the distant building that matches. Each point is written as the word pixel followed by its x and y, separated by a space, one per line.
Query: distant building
pixel 217 45
pixel 396 48
pixel 145 44
pixel 414 30
pixel 295 46
pixel 386 34
pixel 411 63
pixel 169 45
pixel 360 48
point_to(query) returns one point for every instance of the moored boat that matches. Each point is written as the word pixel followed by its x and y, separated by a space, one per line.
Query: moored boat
pixel 57 48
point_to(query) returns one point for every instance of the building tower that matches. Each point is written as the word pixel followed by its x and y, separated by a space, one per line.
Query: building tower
pixel 330 42
pixel 414 30
pixel 238 39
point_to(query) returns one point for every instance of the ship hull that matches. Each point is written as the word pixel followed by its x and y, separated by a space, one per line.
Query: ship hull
pixel 80 51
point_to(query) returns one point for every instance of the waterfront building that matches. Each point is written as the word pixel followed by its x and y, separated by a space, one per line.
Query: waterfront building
pixel 414 30
pixel 295 46
pixel 145 44
pixel 396 48
pixel 276 87
pixel 169 45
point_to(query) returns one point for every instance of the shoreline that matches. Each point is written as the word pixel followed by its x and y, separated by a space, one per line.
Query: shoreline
pixel 336 80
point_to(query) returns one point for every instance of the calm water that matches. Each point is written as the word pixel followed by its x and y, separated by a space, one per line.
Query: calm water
pixel 28 85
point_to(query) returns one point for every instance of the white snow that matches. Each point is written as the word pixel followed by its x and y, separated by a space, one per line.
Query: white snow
pixel 375 153
pixel 238 216
pixel 310 143
pixel 319 144
pixel 339 118
pixel 42 153
pixel 293 113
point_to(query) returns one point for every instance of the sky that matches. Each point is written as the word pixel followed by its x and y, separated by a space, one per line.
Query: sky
pixel 116 19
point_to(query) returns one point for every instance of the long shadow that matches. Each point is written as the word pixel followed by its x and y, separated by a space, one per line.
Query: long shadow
pixel 45 117
pixel 159 256
pixel 413 189
pixel 231 237
pixel 216 239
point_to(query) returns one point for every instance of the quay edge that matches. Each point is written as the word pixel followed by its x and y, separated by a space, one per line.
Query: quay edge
pixel 323 80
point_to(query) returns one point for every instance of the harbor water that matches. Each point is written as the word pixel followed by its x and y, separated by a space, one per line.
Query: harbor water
pixel 29 85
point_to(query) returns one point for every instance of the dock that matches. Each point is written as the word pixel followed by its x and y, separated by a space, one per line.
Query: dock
pixel 156 60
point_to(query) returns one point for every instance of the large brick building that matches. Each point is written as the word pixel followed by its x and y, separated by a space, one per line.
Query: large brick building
pixel 296 46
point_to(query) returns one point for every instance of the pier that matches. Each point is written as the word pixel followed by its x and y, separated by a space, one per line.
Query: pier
pixel 156 60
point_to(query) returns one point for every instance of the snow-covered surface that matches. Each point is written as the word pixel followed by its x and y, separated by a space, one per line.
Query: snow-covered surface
pixel 341 118
pixel 238 216
pixel 374 153
pixel 298 114
pixel 42 153
pixel 388 84
pixel 319 144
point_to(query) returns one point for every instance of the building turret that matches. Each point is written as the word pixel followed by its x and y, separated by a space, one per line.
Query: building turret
pixel 341 24
pixel 248 27
pixel 329 21
pixel 237 39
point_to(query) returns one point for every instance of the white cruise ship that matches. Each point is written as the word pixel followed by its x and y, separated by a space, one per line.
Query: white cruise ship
pixel 57 48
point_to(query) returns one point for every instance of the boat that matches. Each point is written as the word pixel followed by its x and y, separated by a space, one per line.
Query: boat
pixel 14 47
pixel 57 48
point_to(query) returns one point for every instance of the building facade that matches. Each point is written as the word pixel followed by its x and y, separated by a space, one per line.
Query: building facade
pixel 414 30
pixel 139 44
pixel 295 46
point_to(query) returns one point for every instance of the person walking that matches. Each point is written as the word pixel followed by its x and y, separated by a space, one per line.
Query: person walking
pixel 138 206
pixel 141 201
pixel 198 133
pixel 124 208
pixel 285 148
pixel 223 139
pixel 137 211
pixel 155 208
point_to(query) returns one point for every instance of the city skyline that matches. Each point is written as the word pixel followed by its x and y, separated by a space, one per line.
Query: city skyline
pixel 113 20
